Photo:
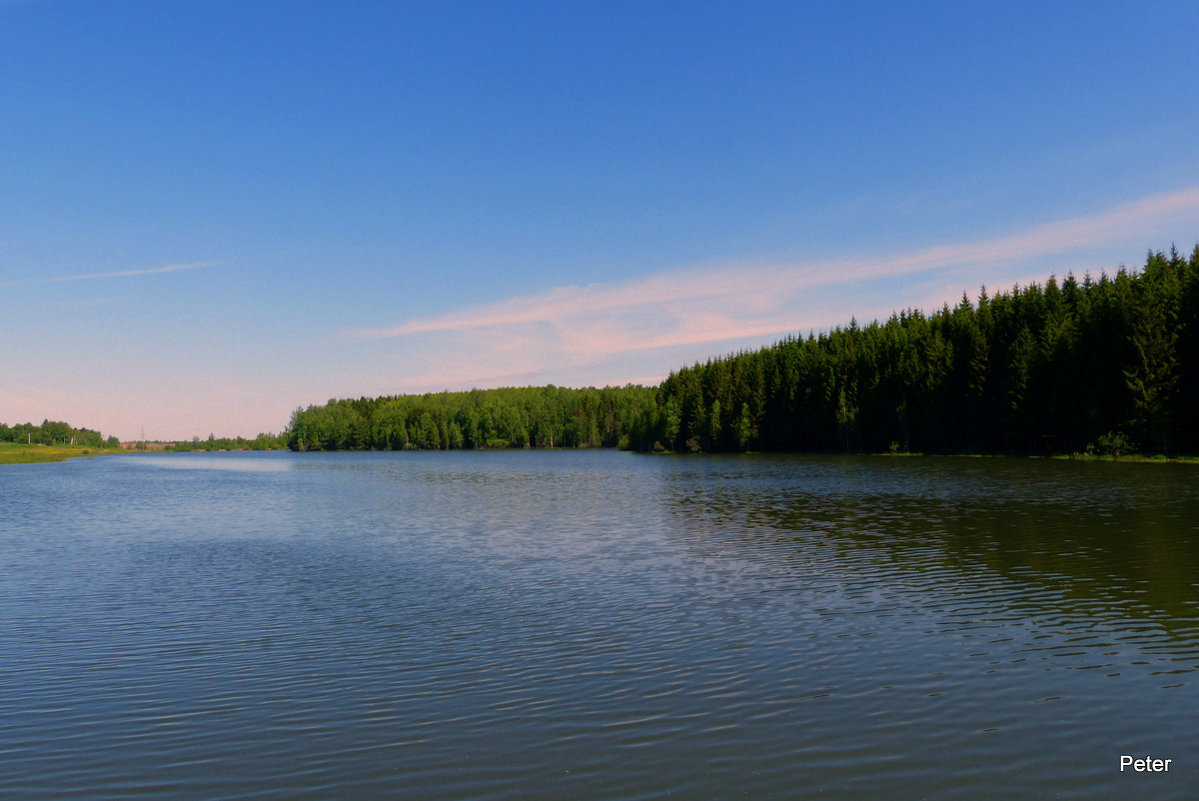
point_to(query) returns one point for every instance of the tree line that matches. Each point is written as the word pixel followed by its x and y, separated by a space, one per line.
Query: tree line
pixel 262 442
pixel 1107 365
pixel 1103 366
pixel 512 417
pixel 52 432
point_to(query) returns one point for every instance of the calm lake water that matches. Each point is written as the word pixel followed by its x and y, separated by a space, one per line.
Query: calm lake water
pixel 586 625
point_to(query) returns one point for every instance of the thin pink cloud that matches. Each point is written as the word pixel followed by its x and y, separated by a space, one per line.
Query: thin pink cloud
pixel 571 327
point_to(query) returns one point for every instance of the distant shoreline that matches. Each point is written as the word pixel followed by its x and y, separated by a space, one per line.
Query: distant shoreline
pixel 35 453
pixel 16 453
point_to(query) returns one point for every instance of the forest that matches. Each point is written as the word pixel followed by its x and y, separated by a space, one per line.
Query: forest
pixel 1107 366
pixel 513 417
pixel 55 433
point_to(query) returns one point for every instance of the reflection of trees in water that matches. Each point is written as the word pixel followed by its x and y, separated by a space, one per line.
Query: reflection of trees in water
pixel 1079 548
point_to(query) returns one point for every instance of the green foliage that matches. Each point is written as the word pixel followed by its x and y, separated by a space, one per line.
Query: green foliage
pixel 1038 369
pixel 514 417
pixel 55 433
pixel 1113 443
pixel 52 441
pixel 262 442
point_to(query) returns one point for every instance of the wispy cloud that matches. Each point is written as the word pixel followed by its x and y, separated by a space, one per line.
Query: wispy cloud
pixel 579 329
pixel 170 268
pixel 83 304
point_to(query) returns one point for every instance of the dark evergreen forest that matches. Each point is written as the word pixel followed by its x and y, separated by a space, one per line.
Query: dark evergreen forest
pixel 1102 366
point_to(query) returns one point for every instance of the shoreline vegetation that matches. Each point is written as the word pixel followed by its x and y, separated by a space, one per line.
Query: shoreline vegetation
pixel 54 441
pixel 1103 369
pixel 44 453
pixel 37 453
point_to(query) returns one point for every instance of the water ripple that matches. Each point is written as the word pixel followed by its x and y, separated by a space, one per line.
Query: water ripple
pixel 593 625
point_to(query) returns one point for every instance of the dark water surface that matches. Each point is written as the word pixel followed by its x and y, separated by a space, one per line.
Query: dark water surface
pixel 596 625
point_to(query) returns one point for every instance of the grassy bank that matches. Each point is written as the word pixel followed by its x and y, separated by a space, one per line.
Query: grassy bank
pixel 19 453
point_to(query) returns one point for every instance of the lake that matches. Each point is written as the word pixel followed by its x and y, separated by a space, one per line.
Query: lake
pixel 597 625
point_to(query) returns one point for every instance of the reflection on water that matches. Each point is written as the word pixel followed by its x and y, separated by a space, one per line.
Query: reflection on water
pixel 1095 562
pixel 241 461
pixel 596 625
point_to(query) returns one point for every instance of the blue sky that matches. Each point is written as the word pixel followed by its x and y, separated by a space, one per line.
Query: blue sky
pixel 212 213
